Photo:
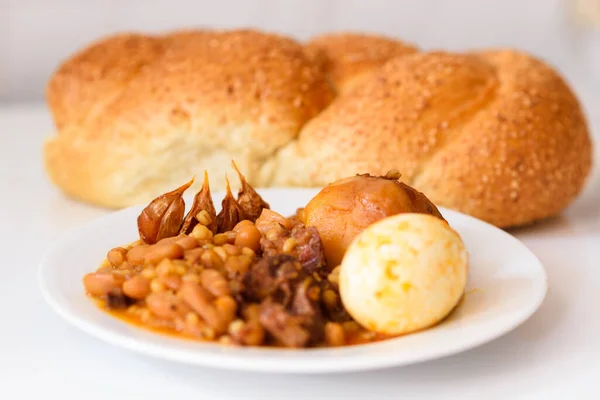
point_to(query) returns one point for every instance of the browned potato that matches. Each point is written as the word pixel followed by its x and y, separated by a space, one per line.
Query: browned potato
pixel 344 208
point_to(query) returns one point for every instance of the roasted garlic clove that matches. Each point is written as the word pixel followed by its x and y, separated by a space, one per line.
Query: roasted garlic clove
pixel 231 213
pixel 250 201
pixel 162 217
pixel 202 202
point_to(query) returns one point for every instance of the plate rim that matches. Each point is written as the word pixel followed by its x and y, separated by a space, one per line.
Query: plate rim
pixel 240 362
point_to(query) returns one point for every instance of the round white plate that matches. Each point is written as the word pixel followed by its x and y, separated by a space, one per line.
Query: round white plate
pixel 506 285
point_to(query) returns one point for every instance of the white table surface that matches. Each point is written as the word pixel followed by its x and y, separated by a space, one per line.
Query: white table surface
pixel 554 355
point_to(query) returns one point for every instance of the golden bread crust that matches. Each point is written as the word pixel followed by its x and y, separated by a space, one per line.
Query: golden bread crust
pixel 207 98
pixel 524 157
pixel 96 74
pixel 497 134
pixel 348 57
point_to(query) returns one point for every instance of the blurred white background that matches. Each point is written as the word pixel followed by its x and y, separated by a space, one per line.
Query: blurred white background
pixel 36 35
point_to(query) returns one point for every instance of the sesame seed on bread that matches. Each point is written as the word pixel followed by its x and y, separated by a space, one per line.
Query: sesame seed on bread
pixel 497 134
pixel 151 114
pixel 348 57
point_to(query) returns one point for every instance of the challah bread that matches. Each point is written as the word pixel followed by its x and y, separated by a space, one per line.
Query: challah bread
pixel 496 134
pixel 95 76
pixel 137 114
pixel 348 57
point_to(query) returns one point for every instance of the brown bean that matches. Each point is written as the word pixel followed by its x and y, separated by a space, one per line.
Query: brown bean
pixel 220 239
pixel 248 333
pixel 105 270
pixel 149 273
pixel 137 287
pixel 232 250
pixel 214 282
pixel 126 266
pixel 247 251
pixel 193 256
pixel 173 282
pixel 187 242
pixel 226 307
pixel 180 267
pixel 166 305
pixel 156 286
pixel 194 326
pixel 191 276
pixel 241 224
pixel 238 265
pixel 220 251
pixel 117 256
pixel 98 284
pixel 210 259
pixel 235 327
pixel 169 240
pixel 135 255
pixel 204 243
pixel 165 267
pixel 231 235
pixel 201 232
pixel 334 334
pixel 157 253
pixel 199 299
pixel 248 236
pixel 255 333
pixel 204 218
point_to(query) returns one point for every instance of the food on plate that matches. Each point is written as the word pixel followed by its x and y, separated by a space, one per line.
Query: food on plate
pixel 341 210
pixel 246 276
pixel 497 134
pixel 203 209
pixel 162 217
pixel 250 276
pixel 404 273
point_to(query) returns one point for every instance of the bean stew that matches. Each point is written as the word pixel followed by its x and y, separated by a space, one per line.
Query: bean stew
pixel 246 276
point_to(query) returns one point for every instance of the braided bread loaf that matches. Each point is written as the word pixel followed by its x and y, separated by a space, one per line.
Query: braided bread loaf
pixel 497 134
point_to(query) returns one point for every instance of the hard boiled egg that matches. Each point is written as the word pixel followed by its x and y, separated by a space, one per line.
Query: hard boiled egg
pixel 404 273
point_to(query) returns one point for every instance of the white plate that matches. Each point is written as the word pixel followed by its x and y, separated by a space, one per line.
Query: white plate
pixel 506 285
